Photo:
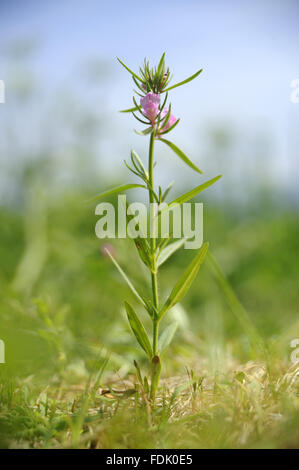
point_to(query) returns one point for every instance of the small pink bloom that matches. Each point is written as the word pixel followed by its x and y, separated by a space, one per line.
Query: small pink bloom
pixel 172 119
pixel 107 247
pixel 150 106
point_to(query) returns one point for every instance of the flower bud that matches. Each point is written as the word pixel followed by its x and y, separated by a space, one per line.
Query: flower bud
pixel 165 75
pixel 107 247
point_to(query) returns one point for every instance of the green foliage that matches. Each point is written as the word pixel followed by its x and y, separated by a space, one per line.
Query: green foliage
pixel 185 281
pixel 118 189
pixel 168 251
pixel 129 70
pixel 181 155
pixel 125 277
pixel 184 81
pixel 139 331
pixel 191 194
pixel 130 110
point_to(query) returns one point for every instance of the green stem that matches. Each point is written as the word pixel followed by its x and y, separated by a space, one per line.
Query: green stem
pixel 154 267
pixel 155 336
pixel 153 239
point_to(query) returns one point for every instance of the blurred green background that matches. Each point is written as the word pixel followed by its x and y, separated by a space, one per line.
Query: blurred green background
pixel 63 140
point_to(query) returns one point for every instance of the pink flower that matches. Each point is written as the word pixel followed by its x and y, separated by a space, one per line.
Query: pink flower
pixel 150 106
pixel 172 119
pixel 107 247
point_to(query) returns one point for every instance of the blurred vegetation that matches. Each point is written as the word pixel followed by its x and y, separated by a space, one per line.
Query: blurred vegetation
pixel 65 332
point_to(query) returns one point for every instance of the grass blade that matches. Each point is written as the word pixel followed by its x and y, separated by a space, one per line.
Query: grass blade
pixel 234 304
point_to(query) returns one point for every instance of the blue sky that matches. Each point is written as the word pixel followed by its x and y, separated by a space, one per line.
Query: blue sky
pixel 248 49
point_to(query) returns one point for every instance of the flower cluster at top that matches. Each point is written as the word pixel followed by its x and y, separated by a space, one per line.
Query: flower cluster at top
pixel 151 84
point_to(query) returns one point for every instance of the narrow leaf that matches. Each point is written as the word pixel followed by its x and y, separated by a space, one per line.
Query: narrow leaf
pixel 161 63
pixel 184 81
pixel 138 373
pixel 184 283
pixel 135 157
pixel 165 120
pixel 181 155
pixel 138 86
pixel 146 385
pixel 170 128
pixel 191 194
pixel 169 250
pixel 167 336
pixel 162 107
pixel 143 251
pixel 139 331
pixel 167 190
pixel 146 131
pixel 130 110
pixel 118 189
pixel 140 120
pixel 129 70
pixel 126 278
pixel 132 171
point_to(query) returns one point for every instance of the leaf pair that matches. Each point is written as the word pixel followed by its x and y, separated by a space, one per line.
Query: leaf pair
pixel 142 337
pixel 178 292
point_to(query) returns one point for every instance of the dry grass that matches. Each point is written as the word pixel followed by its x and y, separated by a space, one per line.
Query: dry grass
pixel 248 406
